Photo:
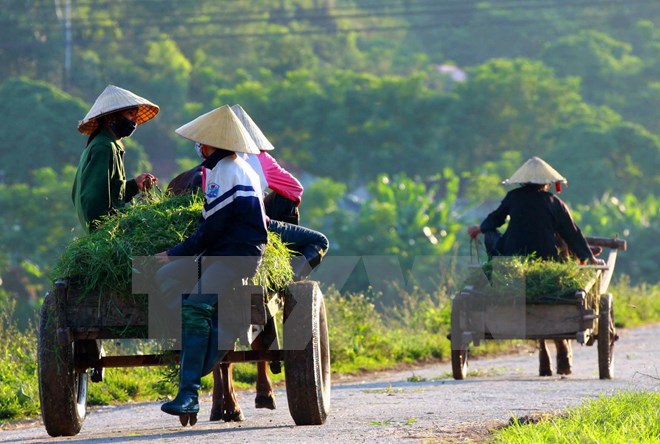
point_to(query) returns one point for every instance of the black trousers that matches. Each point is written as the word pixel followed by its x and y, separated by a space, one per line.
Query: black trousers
pixel 280 208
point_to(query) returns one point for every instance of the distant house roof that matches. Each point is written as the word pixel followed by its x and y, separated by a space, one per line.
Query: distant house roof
pixel 454 72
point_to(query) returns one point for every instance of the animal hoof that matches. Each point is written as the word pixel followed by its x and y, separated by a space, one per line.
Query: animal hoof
pixel 265 402
pixel 235 416
pixel 545 372
pixel 564 371
pixel 188 418
pixel 275 367
pixel 216 415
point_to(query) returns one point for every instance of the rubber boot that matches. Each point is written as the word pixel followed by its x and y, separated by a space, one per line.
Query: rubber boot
pixel 545 364
pixel 564 356
pixel 213 355
pixel 196 320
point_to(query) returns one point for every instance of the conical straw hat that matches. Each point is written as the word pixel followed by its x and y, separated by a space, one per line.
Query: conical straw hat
pixel 537 171
pixel 219 128
pixel 114 99
pixel 262 142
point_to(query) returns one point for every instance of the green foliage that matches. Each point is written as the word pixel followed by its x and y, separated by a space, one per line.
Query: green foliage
pixel 506 105
pixel 632 218
pixel 38 218
pixel 40 130
pixel 623 418
pixel 363 338
pixel 604 64
pixel 635 304
pixel 601 154
pixel 19 390
pixel 361 124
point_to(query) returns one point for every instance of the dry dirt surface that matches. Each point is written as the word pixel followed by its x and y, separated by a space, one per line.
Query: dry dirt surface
pixel 416 405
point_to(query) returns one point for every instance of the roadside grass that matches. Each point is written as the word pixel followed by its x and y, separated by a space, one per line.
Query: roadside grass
pixel 624 418
pixel 635 305
pixel 19 387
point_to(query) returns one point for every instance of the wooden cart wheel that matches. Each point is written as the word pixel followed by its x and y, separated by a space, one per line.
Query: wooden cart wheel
pixel 307 354
pixel 459 352
pixel 606 335
pixel 62 389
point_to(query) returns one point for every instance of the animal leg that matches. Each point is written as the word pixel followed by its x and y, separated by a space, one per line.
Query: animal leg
pixel 231 410
pixel 545 364
pixel 218 393
pixel 564 356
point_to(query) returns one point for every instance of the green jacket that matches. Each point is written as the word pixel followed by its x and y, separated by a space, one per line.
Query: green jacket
pixel 100 185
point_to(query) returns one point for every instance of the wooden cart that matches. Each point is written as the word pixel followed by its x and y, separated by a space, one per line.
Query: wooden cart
pixel 587 317
pixel 71 331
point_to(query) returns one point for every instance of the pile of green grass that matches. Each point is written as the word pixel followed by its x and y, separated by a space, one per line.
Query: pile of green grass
pixel 540 280
pixel 100 262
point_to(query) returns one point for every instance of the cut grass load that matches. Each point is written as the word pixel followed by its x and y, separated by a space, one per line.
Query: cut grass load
pixel 539 280
pixel 101 261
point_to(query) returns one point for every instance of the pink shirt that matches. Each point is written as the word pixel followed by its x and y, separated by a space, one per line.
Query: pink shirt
pixel 277 178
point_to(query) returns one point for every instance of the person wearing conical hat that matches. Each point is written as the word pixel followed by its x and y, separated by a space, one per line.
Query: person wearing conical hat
pixel 307 245
pixel 282 204
pixel 100 186
pixel 229 242
pixel 536 217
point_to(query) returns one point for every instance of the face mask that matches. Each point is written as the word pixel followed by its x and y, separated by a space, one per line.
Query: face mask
pixel 198 150
pixel 123 127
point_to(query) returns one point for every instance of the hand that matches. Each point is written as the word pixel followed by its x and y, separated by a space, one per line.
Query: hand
pixel 474 231
pixel 145 181
pixel 162 257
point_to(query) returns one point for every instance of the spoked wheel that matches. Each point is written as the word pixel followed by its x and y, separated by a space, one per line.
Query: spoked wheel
pixel 62 388
pixel 606 337
pixel 307 354
pixel 459 351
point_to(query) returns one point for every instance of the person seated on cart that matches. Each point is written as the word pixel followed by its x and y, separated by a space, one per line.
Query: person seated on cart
pixel 230 238
pixel 536 218
pixel 282 203
pixel 100 186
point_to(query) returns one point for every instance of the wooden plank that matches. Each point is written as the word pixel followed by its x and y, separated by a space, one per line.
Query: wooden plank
pixel 615 243
pixel 160 359
pixel 531 321
pixel 607 274
pixel 107 311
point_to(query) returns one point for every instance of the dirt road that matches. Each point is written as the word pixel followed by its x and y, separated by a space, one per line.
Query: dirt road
pixel 424 404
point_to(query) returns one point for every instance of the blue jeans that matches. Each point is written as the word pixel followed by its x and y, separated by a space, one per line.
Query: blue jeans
pixel 304 241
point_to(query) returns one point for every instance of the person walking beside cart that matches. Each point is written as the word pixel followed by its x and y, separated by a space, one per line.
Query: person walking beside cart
pixel 230 238
pixel 100 186
pixel 536 218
